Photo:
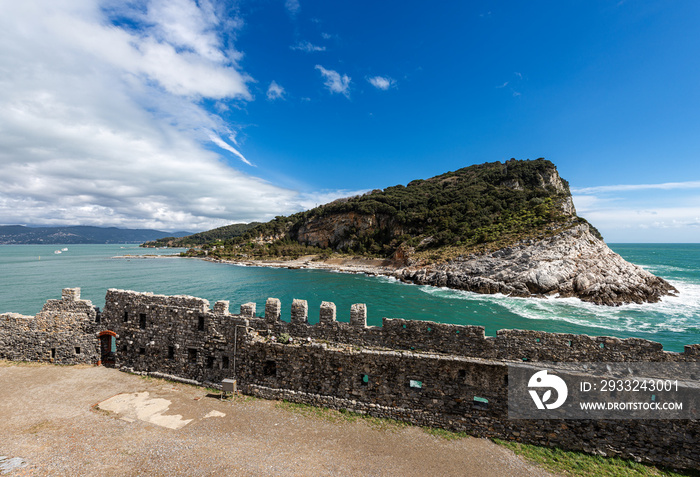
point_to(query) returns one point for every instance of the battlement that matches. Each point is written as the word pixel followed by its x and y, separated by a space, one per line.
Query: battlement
pixel 396 333
pixel 70 294
pixel 179 301
pixel 64 331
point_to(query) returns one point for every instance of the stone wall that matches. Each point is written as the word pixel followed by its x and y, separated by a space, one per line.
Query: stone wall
pixel 427 373
pixel 427 336
pixel 177 335
pixel 63 332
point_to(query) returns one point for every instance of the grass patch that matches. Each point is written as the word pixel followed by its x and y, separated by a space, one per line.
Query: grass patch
pixel 445 434
pixel 582 464
pixel 341 416
pixel 6 363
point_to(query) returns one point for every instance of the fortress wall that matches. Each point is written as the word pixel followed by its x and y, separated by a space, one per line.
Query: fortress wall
pixel 516 345
pixel 175 321
pixel 527 345
pixel 183 336
pixel 459 375
pixel 63 332
pixel 426 373
pixel 451 395
pixel 436 384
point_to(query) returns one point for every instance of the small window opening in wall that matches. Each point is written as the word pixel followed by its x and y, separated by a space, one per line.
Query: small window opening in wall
pixel 126 316
pixel 568 343
pixel 457 331
pixel 462 373
pixel 415 384
pixel 404 326
pixel 270 368
pixel 77 350
pixel 429 328
pixel 602 345
pixel 537 340
pixel 191 355
pixel 200 325
pixel 210 362
pixel 224 362
pixel 365 379
pixel 481 403
pixel 142 321
pixel 171 352
pixel 53 352
pixel 505 380
pixel 524 359
pixel 142 350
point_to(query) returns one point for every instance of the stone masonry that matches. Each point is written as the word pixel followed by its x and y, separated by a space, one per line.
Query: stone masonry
pixel 426 373
pixel 64 331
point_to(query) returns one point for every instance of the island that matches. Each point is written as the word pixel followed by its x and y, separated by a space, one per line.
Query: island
pixel 502 227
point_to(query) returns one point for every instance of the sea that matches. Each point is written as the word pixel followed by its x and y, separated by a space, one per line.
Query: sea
pixel 31 274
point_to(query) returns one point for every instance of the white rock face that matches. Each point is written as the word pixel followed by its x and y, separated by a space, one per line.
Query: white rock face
pixel 572 263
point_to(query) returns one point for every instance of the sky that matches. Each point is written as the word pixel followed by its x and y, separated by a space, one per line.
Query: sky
pixel 189 115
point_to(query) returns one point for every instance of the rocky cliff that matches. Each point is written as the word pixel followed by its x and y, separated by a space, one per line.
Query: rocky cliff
pixel 572 263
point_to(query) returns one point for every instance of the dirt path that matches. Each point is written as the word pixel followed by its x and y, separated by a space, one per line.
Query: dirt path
pixel 48 419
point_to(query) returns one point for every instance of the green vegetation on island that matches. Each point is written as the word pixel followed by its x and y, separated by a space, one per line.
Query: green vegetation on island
pixel 483 206
pixel 210 236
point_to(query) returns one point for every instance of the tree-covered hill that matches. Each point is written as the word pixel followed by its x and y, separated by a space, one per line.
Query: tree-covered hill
pixel 487 205
pixel 210 236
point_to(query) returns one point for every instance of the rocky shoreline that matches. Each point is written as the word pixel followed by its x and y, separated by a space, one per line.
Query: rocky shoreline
pixel 573 263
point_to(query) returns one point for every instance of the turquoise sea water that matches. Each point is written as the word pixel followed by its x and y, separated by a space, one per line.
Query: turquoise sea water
pixel 30 274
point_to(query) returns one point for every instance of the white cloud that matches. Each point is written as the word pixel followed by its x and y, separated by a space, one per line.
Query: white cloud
pixel 307 46
pixel 185 25
pixel 184 62
pixel 638 187
pixel 381 82
pixel 292 6
pixel 103 124
pixel 275 91
pixel 647 219
pixel 335 82
pixel 223 145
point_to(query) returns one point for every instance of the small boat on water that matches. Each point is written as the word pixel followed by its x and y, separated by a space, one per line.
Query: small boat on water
pixel 57 252
pixel 64 249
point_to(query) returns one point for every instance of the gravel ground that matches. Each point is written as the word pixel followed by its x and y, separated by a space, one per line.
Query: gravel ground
pixel 50 418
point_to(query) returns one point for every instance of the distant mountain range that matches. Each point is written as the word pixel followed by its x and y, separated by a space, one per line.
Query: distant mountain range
pixel 20 234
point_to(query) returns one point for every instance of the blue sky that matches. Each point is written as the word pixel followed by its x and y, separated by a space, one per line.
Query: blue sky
pixel 178 114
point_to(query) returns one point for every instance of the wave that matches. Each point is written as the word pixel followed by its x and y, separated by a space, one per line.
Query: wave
pixel 679 314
